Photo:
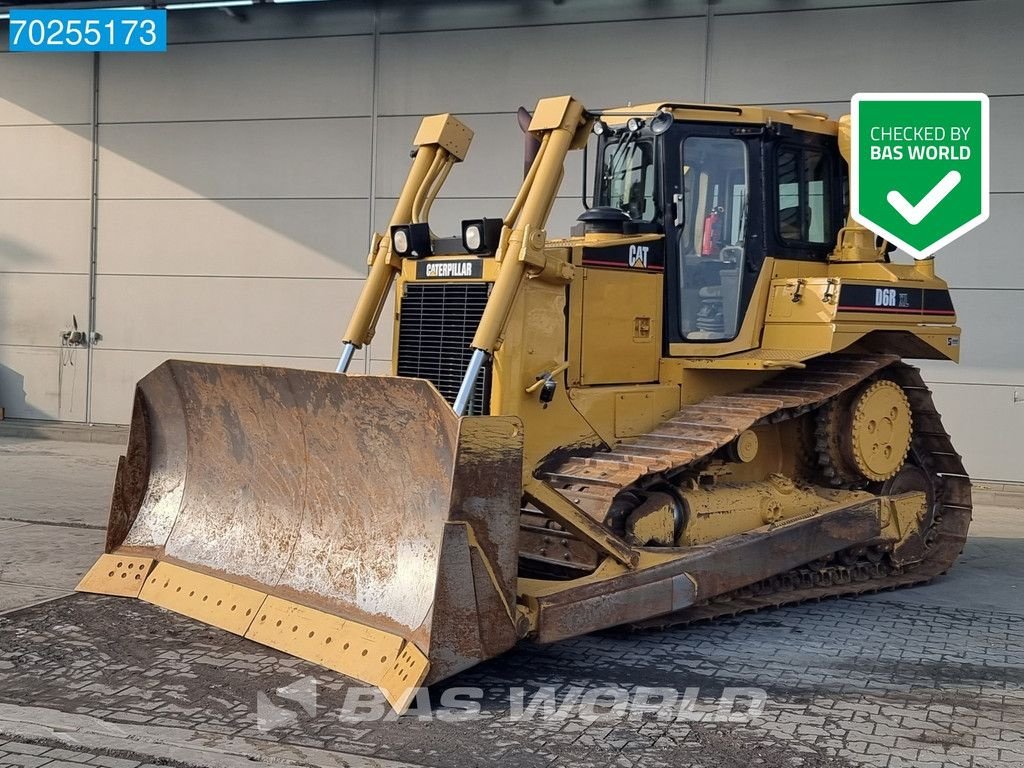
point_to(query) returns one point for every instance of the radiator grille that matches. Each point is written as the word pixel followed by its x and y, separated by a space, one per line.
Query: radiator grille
pixel 435 329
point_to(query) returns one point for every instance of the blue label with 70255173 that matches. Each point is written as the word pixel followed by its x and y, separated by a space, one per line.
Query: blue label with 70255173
pixel 88 30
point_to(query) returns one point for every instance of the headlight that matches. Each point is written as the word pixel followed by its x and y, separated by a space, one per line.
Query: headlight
pixel 400 241
pixel 411 241
pixel 634 124
pixel 481 236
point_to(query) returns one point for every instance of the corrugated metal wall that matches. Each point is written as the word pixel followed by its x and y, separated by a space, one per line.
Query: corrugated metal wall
pixel 237 176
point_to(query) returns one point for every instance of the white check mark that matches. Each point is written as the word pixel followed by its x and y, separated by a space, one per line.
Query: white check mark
pixel 916 213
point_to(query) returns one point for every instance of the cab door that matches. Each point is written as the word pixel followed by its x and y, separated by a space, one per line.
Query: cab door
pixel 714 231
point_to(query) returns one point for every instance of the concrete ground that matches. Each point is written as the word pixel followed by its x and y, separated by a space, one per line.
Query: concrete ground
pixel 931 676
pixel 54 498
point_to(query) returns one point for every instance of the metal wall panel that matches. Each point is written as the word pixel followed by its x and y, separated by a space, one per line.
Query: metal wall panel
pixel 241 80
pixel 259 238
pixel 43 383
pixel 785 6
pixel 45 88
pixel 44 236
pixel 828 55
pixel 35 307
pixel 1007 117
pixel 602 64
pixel 352 17
pixel 482 15
pixel 45 181
pixel 989 256
pixel 259 158
pixel 985 422
pixel 992 347
pixel 231 315
pixel 51 162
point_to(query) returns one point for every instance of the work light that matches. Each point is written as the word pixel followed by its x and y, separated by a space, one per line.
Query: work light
pixel 661 122
pixel 481 235
pixel 411 241
pixel 473 237
pixel 400 240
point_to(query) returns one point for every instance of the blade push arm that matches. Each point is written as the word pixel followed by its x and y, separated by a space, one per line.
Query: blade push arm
pixel 441 141
pixel 561 125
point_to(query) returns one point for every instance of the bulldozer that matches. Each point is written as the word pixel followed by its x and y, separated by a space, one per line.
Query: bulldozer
pixel 695 405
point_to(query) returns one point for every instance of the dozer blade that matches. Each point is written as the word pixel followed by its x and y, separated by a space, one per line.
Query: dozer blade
pixel 353 521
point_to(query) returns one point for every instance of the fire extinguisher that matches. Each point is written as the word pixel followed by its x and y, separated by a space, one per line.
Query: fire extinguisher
pixel 712 241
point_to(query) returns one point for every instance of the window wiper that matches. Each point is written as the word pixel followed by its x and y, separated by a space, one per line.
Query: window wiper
pixel 626 146
pixel 623 150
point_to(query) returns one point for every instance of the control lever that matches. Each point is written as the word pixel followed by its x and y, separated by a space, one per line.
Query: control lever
pixel 546 384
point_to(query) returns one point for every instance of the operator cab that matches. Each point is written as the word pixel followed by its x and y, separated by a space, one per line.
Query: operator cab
pixel 728 186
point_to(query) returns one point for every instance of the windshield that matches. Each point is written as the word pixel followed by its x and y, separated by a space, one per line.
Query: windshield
pixel 626 176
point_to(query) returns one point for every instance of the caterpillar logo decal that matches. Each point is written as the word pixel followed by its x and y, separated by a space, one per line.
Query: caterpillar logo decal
pixel 918 301
pixel 638 256
pixel 450 270
pixel 645 257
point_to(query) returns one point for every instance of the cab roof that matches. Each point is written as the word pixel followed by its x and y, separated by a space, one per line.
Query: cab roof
pixel 800 119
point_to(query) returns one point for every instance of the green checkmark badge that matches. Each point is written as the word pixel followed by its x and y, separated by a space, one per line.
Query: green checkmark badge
pixel 919 166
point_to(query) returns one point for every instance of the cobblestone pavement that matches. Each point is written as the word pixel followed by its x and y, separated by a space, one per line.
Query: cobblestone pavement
pixel 848 683
pixel 925 677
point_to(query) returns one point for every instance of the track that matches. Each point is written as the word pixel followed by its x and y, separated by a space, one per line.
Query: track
pixel 696 432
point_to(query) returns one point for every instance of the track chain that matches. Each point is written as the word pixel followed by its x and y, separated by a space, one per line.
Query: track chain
pixel 698 431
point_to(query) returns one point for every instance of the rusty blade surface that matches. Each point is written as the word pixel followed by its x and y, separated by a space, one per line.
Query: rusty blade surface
pixel 331 491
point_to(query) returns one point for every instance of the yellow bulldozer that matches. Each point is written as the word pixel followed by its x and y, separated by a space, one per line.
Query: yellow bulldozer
pixel 696 405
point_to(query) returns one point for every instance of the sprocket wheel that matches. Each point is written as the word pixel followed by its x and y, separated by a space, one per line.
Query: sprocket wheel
pixel 881 431
pixel 866 436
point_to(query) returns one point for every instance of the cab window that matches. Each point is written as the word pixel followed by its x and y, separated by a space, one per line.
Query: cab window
pixel 802 196
pixel 627 178
pixel 713 239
